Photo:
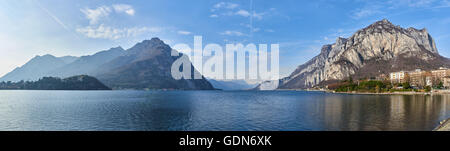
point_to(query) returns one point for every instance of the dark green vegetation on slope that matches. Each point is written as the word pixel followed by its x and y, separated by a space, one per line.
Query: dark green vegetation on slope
pixel 81 82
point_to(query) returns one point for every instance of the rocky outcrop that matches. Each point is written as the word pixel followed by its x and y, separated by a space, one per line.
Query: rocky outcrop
pixel 377 49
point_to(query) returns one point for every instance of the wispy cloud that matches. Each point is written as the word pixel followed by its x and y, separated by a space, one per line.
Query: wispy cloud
pixel 56 19
pixel 98 30
pixel 371 8
pixel 232 33
pixel 225 5
pixel 444 4
pixel 107 32
pixel 124 8
pixel 243 13
pixel 411 3
pixel 95 15
pixel 182 32
pixel 214 16
pixel 232 9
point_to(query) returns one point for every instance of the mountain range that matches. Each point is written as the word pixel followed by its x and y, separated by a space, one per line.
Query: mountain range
pixel 377 49
pixel 38 67
pixel 146 65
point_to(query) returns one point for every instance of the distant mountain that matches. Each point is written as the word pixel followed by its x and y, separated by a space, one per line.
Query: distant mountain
pixel 68 59
pixel 231 85
pixel 147 65
pixel 38 67
pixel 88 65
pixel 380 48
pixel 81 82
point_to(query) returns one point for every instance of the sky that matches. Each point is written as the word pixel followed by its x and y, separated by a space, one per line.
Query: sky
pixel 301 27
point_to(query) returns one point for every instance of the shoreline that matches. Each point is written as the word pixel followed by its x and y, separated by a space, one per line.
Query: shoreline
pixel 443 126
pixel 384 93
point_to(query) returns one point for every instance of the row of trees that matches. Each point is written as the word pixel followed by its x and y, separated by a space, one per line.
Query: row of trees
pixel 373 86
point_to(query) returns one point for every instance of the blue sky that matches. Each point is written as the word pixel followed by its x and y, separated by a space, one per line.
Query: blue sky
pixel 31 27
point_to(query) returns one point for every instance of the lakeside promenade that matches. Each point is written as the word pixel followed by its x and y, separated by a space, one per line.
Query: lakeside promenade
pixel 444 126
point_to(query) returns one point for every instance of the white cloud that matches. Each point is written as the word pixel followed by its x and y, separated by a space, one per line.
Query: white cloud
pixel 214 16
pixel 258 15
pixel 243 13
pixel 94 15
pixel 124 8
pixel 229 9
pixel 232 33
pixel 181 32
pixel 226 5
pixel 107 32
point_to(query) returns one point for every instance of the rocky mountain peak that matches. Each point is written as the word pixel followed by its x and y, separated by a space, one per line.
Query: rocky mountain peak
pixel 380 27
pixel 379 48
pixel 153 42
pixel 147 46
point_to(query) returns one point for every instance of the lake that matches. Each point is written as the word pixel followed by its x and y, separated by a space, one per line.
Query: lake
pixel 218 110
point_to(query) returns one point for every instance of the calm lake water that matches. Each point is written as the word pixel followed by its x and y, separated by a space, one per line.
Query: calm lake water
pixel 218 110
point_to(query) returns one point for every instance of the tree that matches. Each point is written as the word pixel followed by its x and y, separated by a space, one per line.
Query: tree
pixel 406 85
pixel 427 89
pixel 441 85
pixel 378 89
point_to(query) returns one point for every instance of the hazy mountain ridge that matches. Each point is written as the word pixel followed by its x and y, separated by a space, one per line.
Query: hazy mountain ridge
pixel 380 48
pixel 37 67
pixel 88 65
pixel 231 85
pixel 68 59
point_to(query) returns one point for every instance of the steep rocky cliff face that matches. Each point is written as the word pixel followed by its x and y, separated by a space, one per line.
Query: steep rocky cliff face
pixel 380 48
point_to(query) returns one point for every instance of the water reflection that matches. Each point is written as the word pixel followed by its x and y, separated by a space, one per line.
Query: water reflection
pixel 384 112
pixel 218 110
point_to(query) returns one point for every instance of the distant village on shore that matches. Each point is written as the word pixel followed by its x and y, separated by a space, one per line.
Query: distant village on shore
pixel 402 81
pixel 420 78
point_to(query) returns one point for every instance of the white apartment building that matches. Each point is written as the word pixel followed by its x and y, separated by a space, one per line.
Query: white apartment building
pixel 398 77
